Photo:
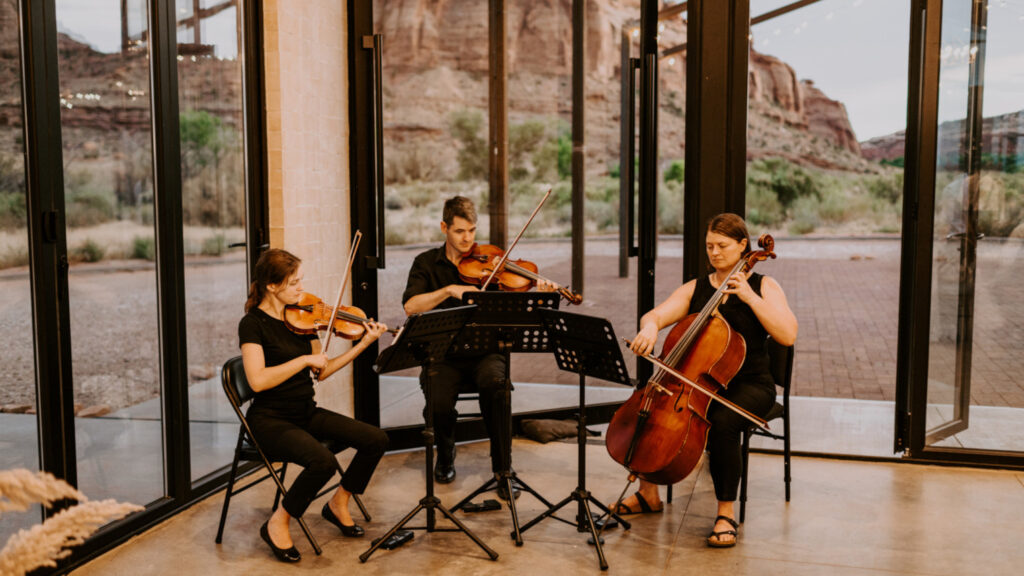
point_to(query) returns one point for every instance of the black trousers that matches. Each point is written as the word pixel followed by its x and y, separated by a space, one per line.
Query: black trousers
pixel 725 449
pixel 284 436
pixel 483 374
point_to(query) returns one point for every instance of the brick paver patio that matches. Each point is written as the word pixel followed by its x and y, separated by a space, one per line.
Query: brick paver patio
pixel 845 296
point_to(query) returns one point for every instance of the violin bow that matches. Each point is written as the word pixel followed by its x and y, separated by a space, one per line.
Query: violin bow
pixel 728 404
pixel 341 290
pixel 504 257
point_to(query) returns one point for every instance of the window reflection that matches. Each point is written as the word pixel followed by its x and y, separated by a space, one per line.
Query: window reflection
pixel 19 441
pixel 213 214
pixel 105 120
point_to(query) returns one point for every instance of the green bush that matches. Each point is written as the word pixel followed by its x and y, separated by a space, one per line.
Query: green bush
pixel 12 191
pixel 14 256
pixel 670 207
pixel 786 180
pixel 214 245
pixel 88 207
pixel 763 207
pixel 88 251
pixel 465 126
pixel 143 248
pixel 887 186
pixel 675 172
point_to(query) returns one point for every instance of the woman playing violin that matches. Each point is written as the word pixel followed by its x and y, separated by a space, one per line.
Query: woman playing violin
pixel 285 419
pixel 755 307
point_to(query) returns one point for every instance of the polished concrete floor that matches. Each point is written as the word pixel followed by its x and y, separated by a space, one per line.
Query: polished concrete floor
pixel 845 518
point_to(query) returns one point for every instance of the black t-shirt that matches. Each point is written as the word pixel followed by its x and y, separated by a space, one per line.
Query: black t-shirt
pixel 279 346
pixel 742 319
pixel 430 271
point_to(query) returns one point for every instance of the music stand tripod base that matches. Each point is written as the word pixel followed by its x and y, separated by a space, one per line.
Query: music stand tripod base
pixel 505 322
pixel 587 346
pixel 425 340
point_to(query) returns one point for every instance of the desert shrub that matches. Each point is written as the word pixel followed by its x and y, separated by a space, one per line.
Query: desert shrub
pixel 675 172
pixel 214 245
pixel 670 207
pixel 14 256
pixel 886 186
pixel 805 217
pixel 763 207
pixel 12 191
pixel 411 165
pixel 563 144
pixel 143 248
pixel 465 126
pixel 87 251
pixel 524 141
pixel 13 210
pixel 788 181
pixel 87 205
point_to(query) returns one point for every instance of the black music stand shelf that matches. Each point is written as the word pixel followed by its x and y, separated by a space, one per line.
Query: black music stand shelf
pixel 587 346
pixel 505 322
pixel 424 340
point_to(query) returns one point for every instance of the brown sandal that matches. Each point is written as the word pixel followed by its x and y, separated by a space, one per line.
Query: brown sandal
pixel 715 538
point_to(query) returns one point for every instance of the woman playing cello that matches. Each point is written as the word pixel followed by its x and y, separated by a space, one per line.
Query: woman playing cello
pixel 756 308
pixel 284 417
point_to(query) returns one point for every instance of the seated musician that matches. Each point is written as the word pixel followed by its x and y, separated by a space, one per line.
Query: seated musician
pixel 434 282
pixel 756 308
pixel 285 419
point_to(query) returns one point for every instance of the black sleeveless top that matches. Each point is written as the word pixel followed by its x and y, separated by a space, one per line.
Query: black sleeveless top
pixel 742 319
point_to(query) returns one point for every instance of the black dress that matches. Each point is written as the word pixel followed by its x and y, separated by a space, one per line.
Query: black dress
pixel 289 425
pixel 752 388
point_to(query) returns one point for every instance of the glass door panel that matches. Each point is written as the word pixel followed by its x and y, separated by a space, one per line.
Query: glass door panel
pixel 105 120
pixel 213 215
pixel 19 438
pixel 975 400
pixel 825 146
pixel 434 78
pixel 946 413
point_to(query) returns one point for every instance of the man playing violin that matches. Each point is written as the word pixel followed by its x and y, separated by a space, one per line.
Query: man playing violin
pixel 756 308
pixel 434 282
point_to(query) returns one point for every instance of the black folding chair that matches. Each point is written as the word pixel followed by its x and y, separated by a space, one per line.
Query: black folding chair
pixel 781 358
pixel 236 388
pixel 781 367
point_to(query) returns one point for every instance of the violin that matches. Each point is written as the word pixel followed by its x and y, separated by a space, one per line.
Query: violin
pixel 312 315
pixel 660 432
pixel 485 260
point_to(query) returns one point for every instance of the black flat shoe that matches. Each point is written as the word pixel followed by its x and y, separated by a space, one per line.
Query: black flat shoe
pixel 290 555
pixel 353 531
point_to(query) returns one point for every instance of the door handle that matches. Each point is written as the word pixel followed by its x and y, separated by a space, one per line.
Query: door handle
pixel 376 43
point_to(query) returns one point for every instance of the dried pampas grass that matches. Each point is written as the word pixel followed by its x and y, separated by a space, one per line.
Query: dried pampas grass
pixel 44 544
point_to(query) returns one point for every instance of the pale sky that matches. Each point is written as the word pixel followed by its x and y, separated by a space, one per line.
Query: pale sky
pixel 856 52
pixel 98 24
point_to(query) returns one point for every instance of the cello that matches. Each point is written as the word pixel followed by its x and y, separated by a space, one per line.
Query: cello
pixel 660 432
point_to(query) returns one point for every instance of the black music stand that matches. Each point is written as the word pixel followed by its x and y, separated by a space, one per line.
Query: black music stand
pixel 424 340
pixel 585 345
pixel 505 322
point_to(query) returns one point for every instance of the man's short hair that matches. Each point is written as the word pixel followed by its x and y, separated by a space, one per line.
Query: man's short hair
pixel 458 206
